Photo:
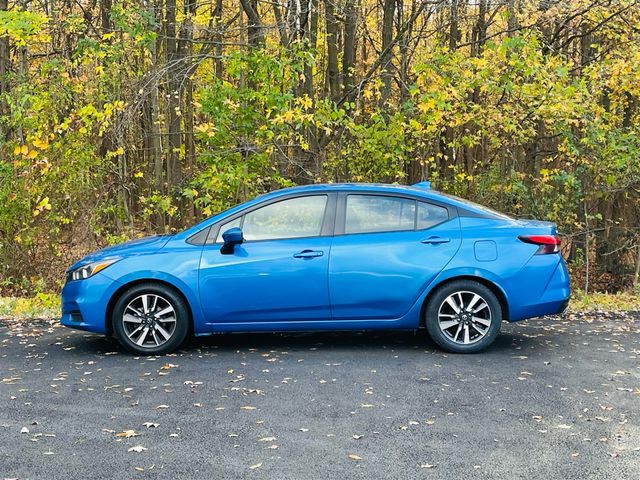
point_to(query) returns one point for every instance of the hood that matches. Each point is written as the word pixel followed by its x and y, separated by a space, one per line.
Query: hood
pixel 132 247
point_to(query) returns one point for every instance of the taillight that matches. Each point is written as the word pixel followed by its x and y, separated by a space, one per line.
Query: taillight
pixel 547 243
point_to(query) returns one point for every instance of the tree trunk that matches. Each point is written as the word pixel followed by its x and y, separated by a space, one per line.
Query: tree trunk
pixel 186 54
pixel 333 75
pixel 389 10
pixel 174 167
pixel 218 37
pixel 5 68
pixel 349 44
pixel 255 29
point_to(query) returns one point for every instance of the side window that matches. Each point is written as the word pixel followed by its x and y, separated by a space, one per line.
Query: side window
pixel 430 215
pixel 228 226
pixel 293 218
pixel 375 213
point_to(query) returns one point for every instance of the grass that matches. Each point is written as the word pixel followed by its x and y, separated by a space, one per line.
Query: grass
pixel 622 301
pixel 47 305
pixel 42 305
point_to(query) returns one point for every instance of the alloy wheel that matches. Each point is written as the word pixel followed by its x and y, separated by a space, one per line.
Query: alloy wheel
pixel 464 317
pixel 149 320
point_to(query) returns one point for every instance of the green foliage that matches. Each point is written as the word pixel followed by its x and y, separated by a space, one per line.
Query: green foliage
pixel 94 118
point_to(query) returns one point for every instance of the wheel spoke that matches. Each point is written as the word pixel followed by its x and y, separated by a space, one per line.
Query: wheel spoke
pixel 154 304
pixel 483 321
pixel 143 336
pixel 164 333
pixel 155 337
pixel 452 304
pixel 134 310
pixel 476 298
pixel 164 311
pixel 455 337
pixel 130 335
pixel 448 324
pixel 481 307
pixel 131 318
pixel 466 334
pixel 145 303
pixel 479 330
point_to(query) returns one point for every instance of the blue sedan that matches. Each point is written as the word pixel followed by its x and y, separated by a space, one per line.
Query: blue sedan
pixel 325 257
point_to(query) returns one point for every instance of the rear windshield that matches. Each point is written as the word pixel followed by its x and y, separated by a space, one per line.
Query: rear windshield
pixel 477 206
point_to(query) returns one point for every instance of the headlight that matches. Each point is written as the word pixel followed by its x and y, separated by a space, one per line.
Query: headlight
pixel 90 269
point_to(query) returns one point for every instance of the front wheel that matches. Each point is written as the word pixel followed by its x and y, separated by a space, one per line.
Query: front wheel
pixel 150 319
pixel 463 317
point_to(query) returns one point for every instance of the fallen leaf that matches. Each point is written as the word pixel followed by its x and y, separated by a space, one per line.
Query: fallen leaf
pixel 137 449
pixel 353 456
pixel 257 465
pixel 127 434
pixel 151 425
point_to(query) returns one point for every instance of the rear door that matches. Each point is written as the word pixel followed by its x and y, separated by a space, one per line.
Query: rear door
pixel 386 250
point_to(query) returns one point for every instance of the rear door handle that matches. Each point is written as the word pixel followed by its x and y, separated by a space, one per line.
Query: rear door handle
pixel 308 254
pixel 435 240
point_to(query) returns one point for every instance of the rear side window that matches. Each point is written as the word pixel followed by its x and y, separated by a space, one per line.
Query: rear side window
pixel 430 215
pixel 375 213
pixel 378 213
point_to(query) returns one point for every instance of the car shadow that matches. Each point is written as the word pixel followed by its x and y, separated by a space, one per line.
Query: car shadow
pixel 359 340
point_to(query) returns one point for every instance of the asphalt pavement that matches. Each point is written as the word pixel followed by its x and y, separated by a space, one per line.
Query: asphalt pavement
pixel 553 398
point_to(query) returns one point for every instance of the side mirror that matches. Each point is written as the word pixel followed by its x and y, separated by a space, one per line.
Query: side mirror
pixel 231 237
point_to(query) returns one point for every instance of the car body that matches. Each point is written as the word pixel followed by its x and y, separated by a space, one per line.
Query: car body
pixel 325 257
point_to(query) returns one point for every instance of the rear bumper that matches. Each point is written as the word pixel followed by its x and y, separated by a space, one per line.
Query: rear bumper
pixel 84 303
pixel 552 300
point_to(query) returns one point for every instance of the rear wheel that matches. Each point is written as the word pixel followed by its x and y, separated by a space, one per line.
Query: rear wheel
pixel 463 316
pixel 150 319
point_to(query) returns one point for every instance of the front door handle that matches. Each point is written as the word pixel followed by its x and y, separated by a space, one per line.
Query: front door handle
pixel 308 254
pixel 435 240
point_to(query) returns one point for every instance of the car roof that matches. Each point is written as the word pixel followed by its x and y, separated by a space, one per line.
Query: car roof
pixel 421 190
pixel 349 187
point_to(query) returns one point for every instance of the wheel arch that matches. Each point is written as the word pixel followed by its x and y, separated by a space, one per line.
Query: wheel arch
pixel 495 289
pixel 124 287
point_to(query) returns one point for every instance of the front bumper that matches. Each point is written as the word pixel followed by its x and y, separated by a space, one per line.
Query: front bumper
pixel 84 303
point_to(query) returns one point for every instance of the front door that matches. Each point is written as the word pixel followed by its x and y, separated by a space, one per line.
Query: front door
pixel 279 273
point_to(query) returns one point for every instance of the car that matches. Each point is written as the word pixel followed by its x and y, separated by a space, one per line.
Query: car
pixel 325 257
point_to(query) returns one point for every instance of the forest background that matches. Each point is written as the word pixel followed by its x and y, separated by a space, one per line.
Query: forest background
pixel 122 118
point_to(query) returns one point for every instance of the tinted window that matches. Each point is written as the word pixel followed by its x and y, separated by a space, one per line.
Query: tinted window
pixel 430 215
pixel 374 213
pixel 296 217
pixel 228 226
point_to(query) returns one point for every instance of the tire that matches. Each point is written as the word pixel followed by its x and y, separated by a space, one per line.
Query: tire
pixel 150 319
pixel 463 330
